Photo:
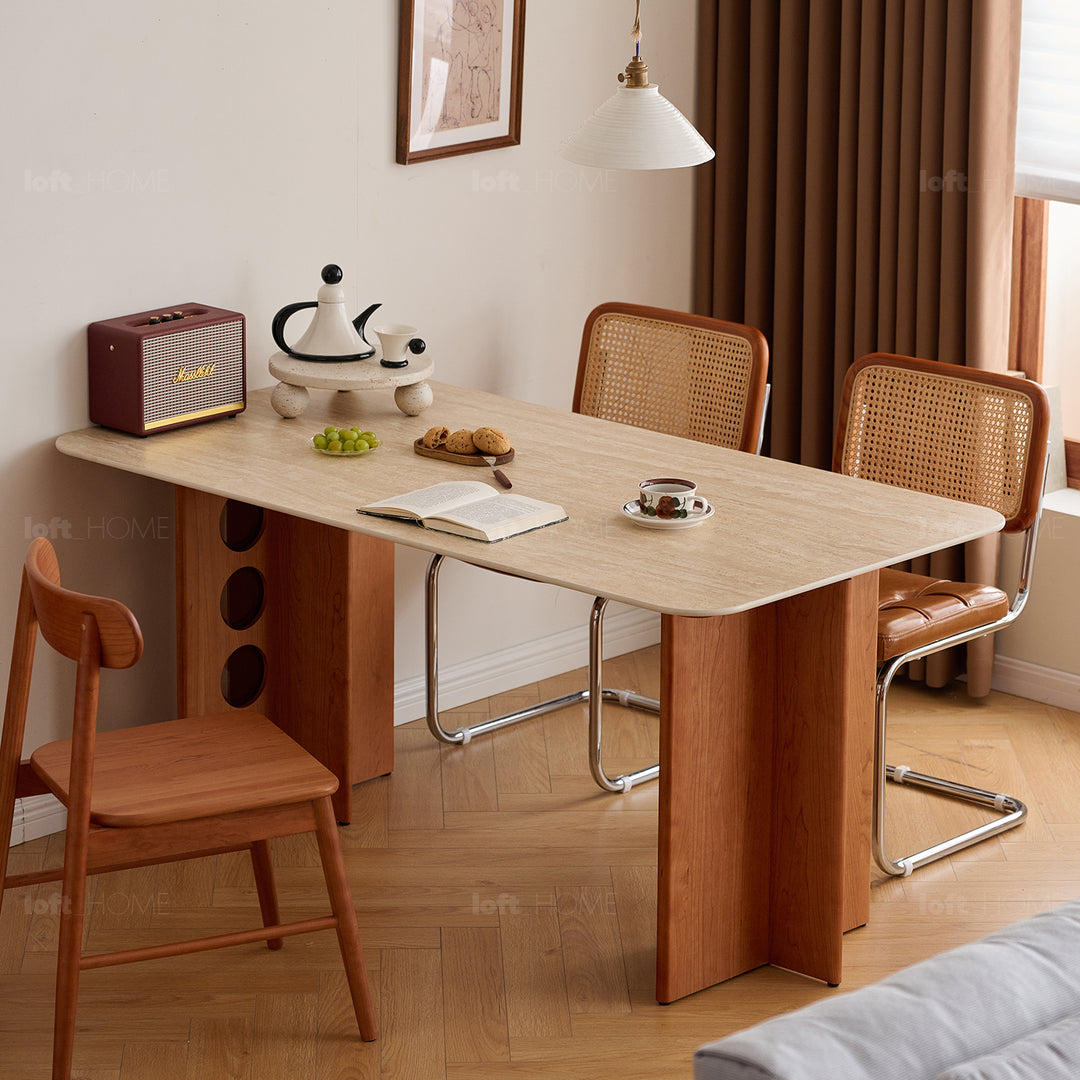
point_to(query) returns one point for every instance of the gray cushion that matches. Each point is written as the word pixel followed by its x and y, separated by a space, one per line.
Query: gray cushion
pixel 1050 1054
pixel 943 1012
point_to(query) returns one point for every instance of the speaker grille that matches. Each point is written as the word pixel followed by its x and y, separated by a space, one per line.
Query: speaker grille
pixel 167 358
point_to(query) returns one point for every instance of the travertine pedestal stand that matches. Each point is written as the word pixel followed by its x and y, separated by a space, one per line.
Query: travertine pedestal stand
pixel 290 397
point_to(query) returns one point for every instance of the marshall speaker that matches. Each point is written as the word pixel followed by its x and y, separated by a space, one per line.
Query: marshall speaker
pixel 163 369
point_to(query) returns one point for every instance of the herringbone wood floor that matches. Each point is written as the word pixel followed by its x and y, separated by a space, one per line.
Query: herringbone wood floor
pixel 508 913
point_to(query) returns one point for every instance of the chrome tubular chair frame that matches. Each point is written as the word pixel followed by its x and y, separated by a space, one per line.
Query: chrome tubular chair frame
pixel 619 343
pixel 594 694
pixel 964 434
pixel 1011 809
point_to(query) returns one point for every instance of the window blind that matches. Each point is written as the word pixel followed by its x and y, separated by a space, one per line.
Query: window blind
pixel 1048 111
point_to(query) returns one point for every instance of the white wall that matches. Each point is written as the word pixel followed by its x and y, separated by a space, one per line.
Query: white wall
pixel 156 154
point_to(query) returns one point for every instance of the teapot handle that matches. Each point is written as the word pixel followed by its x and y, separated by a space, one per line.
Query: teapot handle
pixel 277 327
pixel 361 321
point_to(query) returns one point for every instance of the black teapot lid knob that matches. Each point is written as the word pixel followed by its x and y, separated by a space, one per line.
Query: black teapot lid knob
pixel 331 274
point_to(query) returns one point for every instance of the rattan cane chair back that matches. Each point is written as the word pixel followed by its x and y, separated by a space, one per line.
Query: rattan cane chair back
pixel 963 434
pixel 672 372
pixel 664 371
pixel 975 436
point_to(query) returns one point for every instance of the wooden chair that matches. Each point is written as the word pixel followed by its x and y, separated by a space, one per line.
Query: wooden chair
pixel 965 434
pixel 156 793
pixel 661 370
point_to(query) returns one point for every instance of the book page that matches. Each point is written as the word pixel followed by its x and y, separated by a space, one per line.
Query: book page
pixel 490 515
pixel 438 498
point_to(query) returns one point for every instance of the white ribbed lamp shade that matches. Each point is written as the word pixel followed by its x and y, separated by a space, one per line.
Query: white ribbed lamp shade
pixel 637 128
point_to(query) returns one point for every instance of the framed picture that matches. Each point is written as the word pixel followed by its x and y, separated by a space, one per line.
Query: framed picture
pixel 459 77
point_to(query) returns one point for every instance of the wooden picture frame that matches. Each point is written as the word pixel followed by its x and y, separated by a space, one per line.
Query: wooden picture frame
pixel 459 77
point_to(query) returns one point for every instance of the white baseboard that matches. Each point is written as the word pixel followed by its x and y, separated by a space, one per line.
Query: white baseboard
pixel 501 670
pixel 1049 686
pixel 37 815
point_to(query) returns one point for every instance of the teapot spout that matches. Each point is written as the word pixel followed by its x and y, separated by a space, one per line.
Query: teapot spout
pixel 361 321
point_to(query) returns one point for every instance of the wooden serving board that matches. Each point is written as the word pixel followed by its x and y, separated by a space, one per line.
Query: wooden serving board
pixel 463 459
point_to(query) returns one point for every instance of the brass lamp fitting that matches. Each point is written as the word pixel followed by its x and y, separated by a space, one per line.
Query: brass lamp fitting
pixel 636 74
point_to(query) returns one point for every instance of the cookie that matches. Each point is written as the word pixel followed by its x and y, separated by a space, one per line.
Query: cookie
pixel 460 442
pixel 489 440
pixel 435 437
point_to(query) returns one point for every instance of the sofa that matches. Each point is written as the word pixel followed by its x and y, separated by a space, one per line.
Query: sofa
pixel 1005 1007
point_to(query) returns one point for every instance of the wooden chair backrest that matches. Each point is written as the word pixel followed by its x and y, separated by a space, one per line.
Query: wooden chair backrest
pixel 966 434
pixel 673 372
pixel 91 630
pixel 60 613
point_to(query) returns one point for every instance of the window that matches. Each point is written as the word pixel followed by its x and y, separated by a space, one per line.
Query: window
pixel 1048 110
pixel 1046 264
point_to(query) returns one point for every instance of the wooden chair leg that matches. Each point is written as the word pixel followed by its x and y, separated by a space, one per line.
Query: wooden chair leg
pixel 263 866
pixel 68 957
pixel 337 885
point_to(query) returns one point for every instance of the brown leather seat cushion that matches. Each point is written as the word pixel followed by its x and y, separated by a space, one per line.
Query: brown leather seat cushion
pixel 914 610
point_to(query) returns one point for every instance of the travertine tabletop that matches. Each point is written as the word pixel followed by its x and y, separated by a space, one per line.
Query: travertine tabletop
pixel 778 530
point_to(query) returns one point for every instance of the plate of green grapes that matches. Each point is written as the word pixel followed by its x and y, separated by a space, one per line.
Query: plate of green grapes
pixel 344 441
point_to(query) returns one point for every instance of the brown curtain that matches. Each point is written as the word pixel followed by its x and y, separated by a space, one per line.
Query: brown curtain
pixel 860 200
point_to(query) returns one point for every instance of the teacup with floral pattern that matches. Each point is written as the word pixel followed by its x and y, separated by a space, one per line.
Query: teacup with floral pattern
pixel 670 499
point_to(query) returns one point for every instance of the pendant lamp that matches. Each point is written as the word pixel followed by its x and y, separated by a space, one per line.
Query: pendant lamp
pixel 637 128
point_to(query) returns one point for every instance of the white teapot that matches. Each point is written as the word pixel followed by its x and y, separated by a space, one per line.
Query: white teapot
pixel 331 337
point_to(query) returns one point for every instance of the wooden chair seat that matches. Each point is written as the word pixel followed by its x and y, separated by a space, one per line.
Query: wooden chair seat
pixel 202 766
pixel 914 610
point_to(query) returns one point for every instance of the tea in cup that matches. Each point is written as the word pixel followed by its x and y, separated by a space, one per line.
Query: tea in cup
pixel 670 498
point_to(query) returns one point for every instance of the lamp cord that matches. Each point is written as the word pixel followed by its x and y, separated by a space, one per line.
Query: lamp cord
pixel 635 33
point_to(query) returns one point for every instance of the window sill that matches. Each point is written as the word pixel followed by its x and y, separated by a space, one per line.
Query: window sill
pixel 1063 501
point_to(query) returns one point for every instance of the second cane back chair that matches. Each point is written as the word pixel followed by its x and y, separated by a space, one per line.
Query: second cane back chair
pixel 160 792
pixel 661 370
pixel 965 434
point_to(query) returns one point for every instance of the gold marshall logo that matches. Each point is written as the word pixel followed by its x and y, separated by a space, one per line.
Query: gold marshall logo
pixel 201 372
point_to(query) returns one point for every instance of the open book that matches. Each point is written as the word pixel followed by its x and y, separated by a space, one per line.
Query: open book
pixel 469 508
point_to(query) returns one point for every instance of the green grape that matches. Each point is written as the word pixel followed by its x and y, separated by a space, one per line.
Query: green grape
pixel 349 445
pixel 320 442
pixel 353 433
pixel 362 444
pixel 334 446
pixel 329 430
pixel 370 438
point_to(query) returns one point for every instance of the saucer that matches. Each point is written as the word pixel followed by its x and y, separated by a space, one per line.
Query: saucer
pixel 633 511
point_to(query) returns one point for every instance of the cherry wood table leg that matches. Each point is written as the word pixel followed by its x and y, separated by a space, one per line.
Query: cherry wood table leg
pixel 716 695
pixel 822 761
pixel 306 630
pixel 333 646
pixel 764 847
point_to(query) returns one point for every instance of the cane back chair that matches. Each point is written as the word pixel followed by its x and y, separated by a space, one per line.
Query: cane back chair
pixel 160 792
pixel 666 371
pixel 965 434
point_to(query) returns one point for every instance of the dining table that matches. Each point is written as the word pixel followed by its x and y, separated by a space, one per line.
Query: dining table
pixel 768 609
